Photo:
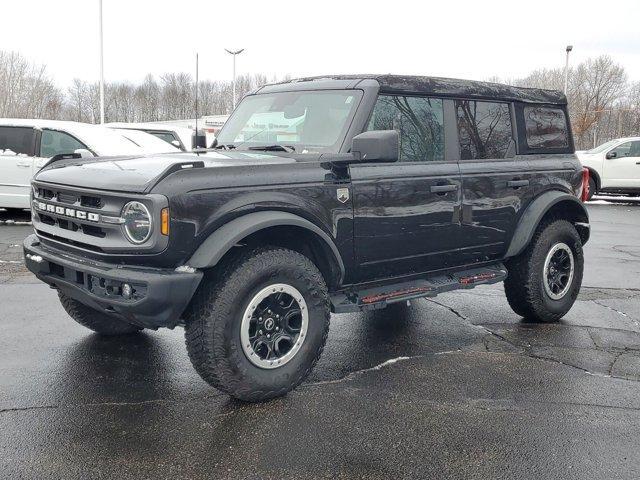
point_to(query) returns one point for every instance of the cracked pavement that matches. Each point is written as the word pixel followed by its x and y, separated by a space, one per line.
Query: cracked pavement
pixel 452 387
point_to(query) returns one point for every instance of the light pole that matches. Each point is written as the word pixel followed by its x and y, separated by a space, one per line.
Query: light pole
pixel 234 53
pixel 566 69
pixel 101 67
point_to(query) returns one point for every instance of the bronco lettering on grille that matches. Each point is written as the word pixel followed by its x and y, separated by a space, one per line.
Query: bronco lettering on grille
pixel 67 212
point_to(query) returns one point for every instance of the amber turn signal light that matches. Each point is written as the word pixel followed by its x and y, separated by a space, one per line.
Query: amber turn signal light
pixel 164 221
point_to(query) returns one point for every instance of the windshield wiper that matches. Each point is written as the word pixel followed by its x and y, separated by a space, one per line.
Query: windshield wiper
pixel 228 146
pixel 274 148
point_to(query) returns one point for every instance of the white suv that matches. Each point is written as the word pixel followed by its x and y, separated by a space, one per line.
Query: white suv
pixel 27 145
pixel 614 167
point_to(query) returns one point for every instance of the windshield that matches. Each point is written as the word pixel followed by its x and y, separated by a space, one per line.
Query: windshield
pixel 603 147
pixel 314 121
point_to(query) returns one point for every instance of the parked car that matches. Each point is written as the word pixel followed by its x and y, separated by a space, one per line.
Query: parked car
pixel 364 191
pixel 614 167
pixel 149 143
pixel 180 137
pixel 27 145
pixel 212 125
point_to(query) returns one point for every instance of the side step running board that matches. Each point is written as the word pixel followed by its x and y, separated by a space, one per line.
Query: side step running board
pixel 430 286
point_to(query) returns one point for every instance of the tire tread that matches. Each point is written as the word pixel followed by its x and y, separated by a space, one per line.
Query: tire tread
pixel 213 360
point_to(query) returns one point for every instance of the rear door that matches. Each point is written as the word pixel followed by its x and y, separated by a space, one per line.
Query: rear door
pixel 496 183
pixel 622 166
pixel 406 213
pixel 17 145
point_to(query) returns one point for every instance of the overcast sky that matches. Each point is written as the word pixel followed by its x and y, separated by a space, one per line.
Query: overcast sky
pixel 453 38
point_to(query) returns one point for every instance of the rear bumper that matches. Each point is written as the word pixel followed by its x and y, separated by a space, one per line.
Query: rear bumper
pixel 158 299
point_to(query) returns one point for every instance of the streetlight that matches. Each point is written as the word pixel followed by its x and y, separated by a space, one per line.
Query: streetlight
pixel 101 66
pixel 234 53
pixel 566 69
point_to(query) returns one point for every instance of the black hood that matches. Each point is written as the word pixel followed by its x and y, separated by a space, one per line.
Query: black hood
pixel 140 174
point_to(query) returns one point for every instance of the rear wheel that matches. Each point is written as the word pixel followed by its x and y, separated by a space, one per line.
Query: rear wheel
pixel 94 320
pixel 258 325
pixel 592 188
pixel 545 279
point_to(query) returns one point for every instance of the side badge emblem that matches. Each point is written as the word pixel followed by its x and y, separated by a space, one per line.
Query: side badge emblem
pixel 343 195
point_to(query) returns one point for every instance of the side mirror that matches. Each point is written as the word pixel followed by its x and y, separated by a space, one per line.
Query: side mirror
pixel 611 155
pixel 84 153
pixel 376 146
pixel 175 143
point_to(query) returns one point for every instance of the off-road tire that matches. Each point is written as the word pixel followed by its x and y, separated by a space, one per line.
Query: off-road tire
pixel 524 285
pixel 94 320
pixel 592 188
pixel 214 317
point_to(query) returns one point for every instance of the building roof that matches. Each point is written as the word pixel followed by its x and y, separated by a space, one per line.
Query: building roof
pixel 445 87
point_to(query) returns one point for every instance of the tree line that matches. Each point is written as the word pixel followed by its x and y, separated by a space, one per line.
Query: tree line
pixel 26 91
pixel 603 103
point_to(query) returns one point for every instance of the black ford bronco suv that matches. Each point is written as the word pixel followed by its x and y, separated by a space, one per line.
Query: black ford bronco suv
pixel 322 195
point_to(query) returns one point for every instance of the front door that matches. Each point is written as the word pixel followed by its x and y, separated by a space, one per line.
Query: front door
pixel 16 164
pixel 406 213
pixel 622 166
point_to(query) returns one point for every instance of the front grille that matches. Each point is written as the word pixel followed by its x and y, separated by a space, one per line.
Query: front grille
pixel 90 220
pixel 45 193
pixel 86 246
pixel 91 202
pixel 59 221
pixel 93 231
pixel 68 198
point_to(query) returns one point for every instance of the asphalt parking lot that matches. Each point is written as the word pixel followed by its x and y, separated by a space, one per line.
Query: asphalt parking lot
pixel 454 387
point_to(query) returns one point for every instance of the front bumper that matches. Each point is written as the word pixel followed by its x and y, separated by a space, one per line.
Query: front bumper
pixel 158 296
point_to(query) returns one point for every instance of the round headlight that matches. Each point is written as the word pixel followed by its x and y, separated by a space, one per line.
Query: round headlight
pixel 137 222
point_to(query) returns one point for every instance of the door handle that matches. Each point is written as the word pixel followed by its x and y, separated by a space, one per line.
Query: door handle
pixel 517 183
pixel 23 165
pixel 442 189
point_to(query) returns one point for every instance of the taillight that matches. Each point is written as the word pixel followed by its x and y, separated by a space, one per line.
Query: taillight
pixel 585 185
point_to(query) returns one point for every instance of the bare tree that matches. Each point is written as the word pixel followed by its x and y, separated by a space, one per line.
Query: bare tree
pixel 602 104
pixel 26 90
pixel 599 84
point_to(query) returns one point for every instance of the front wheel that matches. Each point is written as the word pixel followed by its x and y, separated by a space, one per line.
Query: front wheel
pixel 544 281
pixel 258 324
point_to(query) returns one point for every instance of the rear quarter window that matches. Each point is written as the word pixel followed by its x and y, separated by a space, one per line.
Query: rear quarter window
pixel 546 127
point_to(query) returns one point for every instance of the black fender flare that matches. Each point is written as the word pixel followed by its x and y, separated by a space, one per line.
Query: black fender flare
pixel 537 210
pixel 224 238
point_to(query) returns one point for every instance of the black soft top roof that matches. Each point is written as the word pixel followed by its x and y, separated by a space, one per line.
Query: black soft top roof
pixel 445 87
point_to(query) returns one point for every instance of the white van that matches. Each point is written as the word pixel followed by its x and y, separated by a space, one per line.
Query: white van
pixel 27 145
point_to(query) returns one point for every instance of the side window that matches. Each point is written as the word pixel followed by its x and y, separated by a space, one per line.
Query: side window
pixel 166 136
pixel 546 127
pixel 484 129
pixel 419 122
pixel 628 149
pixel 622 150
pixel 17 140
pixel 54 143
